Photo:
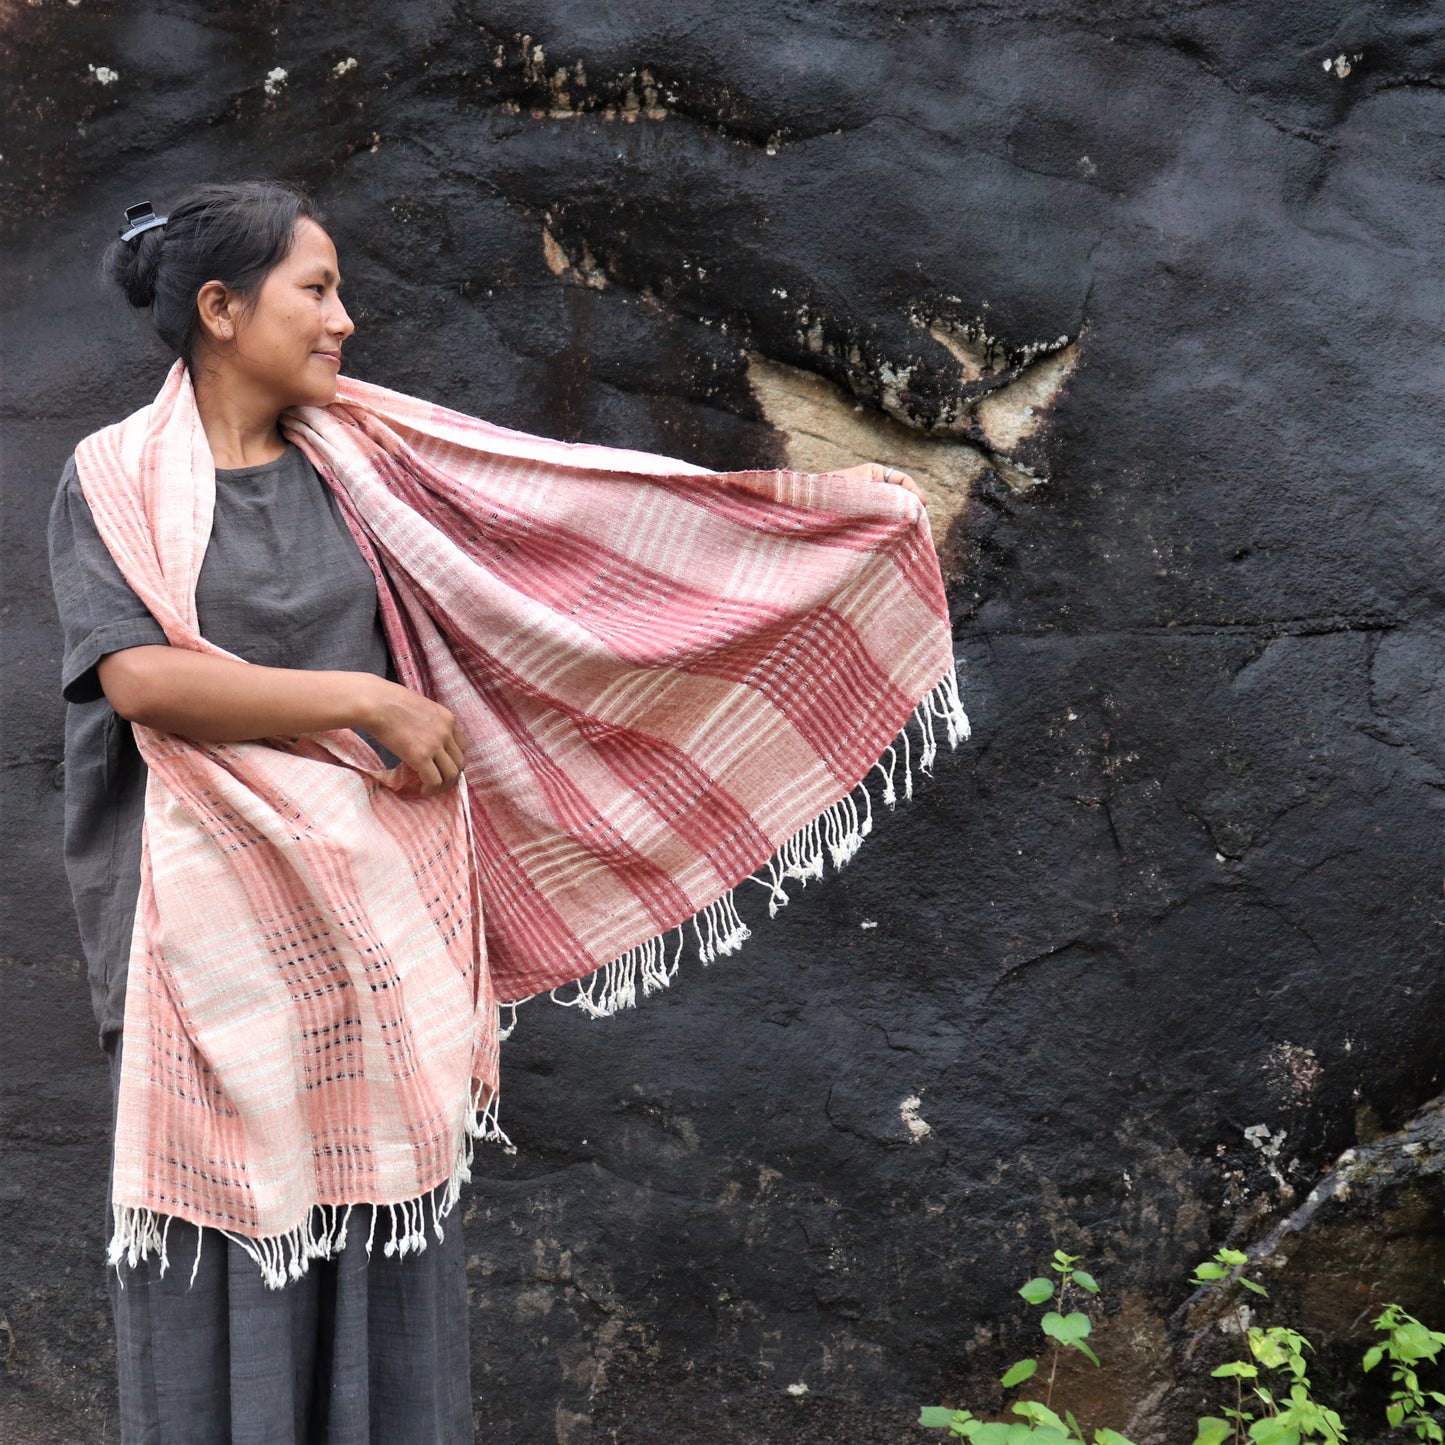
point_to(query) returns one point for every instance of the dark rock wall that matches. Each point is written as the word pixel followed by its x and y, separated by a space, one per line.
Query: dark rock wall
pixel 1147 954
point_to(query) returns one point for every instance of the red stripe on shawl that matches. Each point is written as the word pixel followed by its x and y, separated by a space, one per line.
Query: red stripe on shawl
pixel 573 811
pixel 828 717
pixel 522 917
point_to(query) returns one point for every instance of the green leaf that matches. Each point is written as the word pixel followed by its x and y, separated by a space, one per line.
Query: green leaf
pixel 941 1416
pixel 1232 1257
pixel 1236 1368
pixel 1394 1413
pixel 1276 1431
pixel 1258 1289
pixel 1084 1349
pixel 1037 1290
pixel 1209 1270
pixel 1414 1342
pixel 1085 1280
pixel 1278 1348
pixel 1039 1413
pixel 1017 1374
pixel 1067 1329
pixel 996 1433
pixel 1373 1356
pixel 1212 1431
pixel 1110 1437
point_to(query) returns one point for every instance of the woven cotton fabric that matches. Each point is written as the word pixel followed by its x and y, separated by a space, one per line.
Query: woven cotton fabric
pixel 668 680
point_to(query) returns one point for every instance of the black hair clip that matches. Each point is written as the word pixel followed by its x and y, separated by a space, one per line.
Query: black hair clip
pixel 138 219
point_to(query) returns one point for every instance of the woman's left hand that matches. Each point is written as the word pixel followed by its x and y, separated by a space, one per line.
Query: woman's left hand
pixel 878 472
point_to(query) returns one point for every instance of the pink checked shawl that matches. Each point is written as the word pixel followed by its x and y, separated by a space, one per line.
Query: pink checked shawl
pixel 668 680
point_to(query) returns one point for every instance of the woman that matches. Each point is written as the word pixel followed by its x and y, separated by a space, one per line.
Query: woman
pixel 296 613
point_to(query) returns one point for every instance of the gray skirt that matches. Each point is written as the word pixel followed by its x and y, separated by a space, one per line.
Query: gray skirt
pixel 361 1350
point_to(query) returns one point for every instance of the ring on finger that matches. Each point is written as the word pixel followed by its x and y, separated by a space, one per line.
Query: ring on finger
pixel 888 474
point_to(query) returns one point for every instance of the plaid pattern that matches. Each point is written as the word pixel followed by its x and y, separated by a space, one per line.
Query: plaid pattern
pixel 663 675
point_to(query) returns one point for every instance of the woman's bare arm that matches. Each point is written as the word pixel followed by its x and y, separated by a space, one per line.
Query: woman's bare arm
pixel 217 699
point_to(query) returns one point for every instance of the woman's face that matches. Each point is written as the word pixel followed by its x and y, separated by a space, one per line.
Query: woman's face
pixel 288 345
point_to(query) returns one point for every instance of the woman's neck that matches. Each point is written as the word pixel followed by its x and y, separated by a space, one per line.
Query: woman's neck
pixel 241 424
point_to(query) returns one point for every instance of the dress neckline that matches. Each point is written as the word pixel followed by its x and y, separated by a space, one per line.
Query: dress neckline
pixel 259 466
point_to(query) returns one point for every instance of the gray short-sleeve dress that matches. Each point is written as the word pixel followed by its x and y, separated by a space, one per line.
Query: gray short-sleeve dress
pixel 362 1349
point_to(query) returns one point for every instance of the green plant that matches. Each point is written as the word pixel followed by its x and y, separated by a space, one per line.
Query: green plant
pixel 1273 1400
pixel 1407 1342
pixel 1288 1417
pixel 1065 1329
pixel 1223 1272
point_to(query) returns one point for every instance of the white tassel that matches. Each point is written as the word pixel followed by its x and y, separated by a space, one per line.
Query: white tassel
pixel 923 716
pixel 777 898
pixel 866 826
pixel 164 1257
pixel 732 931
pixel 490 1131
pixel 890 791
pixel 297 1242
pixel 948 705
pixel 703 951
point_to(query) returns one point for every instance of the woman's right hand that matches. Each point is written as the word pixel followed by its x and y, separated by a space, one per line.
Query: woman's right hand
pixel 422 733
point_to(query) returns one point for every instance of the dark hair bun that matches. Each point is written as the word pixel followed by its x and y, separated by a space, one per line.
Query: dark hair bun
pixel 234 233
pixel 134 265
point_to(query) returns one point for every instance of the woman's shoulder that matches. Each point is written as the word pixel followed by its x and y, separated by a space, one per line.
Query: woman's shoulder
pixel 69 511
pixel 68 487
pixel 116 447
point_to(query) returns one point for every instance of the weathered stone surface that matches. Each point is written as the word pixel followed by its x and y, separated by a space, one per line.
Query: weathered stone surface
pixel 1183 886
pixel 1371 1230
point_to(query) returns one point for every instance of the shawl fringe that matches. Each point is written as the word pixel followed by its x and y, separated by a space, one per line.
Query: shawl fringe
pixel 141 1234
pixel 835 835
